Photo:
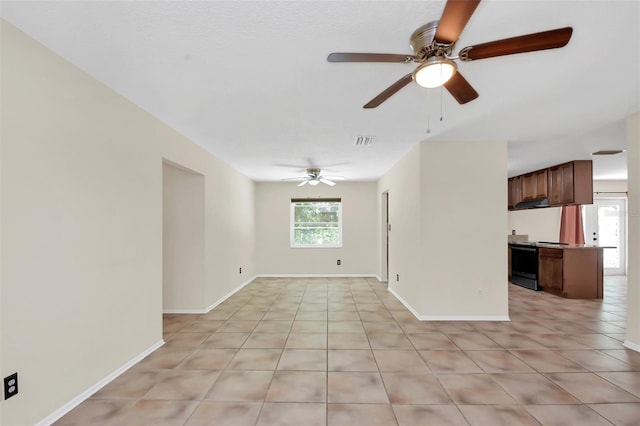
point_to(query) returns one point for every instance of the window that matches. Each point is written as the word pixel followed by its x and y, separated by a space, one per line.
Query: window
pixel 316 223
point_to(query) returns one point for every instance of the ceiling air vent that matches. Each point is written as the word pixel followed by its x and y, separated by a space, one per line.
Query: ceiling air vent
pixel 364 140
pixel 608 152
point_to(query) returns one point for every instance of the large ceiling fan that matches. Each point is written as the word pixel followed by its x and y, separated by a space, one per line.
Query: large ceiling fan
pixel 433 45
pixel 314 177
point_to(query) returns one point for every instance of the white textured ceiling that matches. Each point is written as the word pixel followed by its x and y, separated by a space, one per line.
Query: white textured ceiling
pixel 249 81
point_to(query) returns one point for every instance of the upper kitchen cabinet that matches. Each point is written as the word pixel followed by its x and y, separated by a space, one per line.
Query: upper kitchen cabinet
pixel 534 185
pixel 571 183
pixel 564 184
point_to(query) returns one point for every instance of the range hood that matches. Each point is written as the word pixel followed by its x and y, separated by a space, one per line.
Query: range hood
pixel 533 204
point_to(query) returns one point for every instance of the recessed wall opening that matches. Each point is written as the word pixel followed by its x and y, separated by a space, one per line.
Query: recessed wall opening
pixel 183 258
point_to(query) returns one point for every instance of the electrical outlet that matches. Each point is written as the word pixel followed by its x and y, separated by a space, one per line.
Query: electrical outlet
pixel 398 277
pixel 240 270
pixel 339 262
pixel 10 386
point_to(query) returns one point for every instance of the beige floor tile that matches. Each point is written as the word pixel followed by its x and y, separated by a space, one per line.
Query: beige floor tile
pixel 400 361
pixel 437 415
pixel 255 359
pixel 225 414
pixel 348 341
pixel 548 361
pixel 191 385
pixel 259 340
pixel 596 361
pixel 449 362
pixel 497 415
pixel 360 414
pixel 563 415
pixel 514 340
pixel 531 389
pixel 389 341
pixel 208 359
pixel 432 341
pixel 187 340
pixel 93 412
pixel 414 388
pixel 627 380
pixel 237 326
pixel 241 386
pixel 292 414
pixel 591 389
pixel 309 327
pixel 619 414
pixel 474 389
pixel 298 386
pixel 306 341
pixel 155 412
pixel 132 384
pixel 351 360
pixel 303 359
pixel 226 340
pixel 352 387
pixel 498 362
pixel 472 341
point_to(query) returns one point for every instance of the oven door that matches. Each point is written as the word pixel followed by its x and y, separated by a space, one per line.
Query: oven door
pixel 524 266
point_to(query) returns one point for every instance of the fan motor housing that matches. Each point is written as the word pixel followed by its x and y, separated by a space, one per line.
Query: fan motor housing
pixel 423 42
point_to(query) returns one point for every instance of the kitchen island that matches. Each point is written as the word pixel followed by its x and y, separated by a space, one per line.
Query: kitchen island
pixel 574 271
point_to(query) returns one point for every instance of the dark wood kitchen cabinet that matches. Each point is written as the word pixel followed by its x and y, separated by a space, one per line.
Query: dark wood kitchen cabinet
pixel 515 191
pixel 550 269
pixel 534 185
pixel 571 183
pixel 571 272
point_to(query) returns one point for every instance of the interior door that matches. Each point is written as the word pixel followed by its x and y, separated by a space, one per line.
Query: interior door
pixel 385 237
pixel 605 224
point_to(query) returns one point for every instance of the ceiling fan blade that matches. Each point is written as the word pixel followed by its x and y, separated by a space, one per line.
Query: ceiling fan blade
pixel 326 181
pixel 460 89
pixel 455 16
pixel 304 182
pixel 369 57
pixel 334 177
pixel 389 91
pixel 295 178
pixel 552 39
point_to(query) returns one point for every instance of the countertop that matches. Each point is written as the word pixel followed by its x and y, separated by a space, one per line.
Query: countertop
pixel 565 246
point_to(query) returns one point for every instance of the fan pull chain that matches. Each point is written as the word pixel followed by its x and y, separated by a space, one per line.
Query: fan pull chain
pixel 428 123
pixel 440 103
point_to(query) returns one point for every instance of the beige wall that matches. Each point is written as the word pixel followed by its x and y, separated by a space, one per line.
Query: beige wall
pixel 538 224
pixel 402 182
pixel 81 229
pixel 358 253
pixel 633 249
pixel 447 239
pixel 183 251
pixel 609 188
pixel 82 207
pixel 229 222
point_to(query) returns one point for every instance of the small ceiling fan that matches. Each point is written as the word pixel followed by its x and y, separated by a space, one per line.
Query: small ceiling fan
pixel 314 177
pixel 433 45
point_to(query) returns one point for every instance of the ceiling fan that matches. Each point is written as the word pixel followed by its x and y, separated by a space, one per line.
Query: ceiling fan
pixel 433 46
pixel 314 177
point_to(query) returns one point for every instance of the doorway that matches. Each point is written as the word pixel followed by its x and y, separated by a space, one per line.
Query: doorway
pixel 605 224
pixel 384 209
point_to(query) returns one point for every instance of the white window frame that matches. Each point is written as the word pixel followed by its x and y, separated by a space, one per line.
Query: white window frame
pixel 293 203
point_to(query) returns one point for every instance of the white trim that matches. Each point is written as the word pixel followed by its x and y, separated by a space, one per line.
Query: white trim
pixel 213 305
pixel 57 415
pixel 228 295
pixel 448 317
pixel 630 345
pixel 316 276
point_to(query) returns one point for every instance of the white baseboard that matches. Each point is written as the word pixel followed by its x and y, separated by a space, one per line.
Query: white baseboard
pixel 317 276
pixel 448 317
pixel 630 345
pixel 210 307
pixel 56 415
pixel 228 295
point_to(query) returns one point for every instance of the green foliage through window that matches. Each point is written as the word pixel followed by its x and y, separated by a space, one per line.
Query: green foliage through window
pixel 315 223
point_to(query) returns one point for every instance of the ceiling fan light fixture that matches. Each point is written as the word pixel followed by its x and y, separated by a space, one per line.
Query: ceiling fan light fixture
pixel 435 72
pixel 313 182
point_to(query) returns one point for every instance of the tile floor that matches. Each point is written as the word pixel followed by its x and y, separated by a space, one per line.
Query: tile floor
pixel 346 352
